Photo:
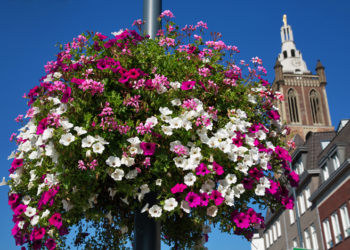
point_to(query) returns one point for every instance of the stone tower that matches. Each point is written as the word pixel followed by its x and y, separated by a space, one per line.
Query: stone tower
pixel 305 106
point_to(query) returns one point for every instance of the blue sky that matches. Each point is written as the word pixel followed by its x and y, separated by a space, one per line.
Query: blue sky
pixel 31 28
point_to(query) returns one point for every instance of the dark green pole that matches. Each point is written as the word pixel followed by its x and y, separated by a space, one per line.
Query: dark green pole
pixel 146 229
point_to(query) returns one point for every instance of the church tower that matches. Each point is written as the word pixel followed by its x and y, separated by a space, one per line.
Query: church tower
pixel 305 106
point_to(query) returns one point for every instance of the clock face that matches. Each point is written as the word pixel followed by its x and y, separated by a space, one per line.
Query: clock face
pixel 296 63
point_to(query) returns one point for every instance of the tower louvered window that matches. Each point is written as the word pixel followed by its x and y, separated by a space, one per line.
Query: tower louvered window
pixel 293 106
pixel 315 106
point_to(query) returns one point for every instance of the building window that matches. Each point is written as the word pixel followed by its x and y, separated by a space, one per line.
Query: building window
pixel 336 227
pixel 300 165
pixel 293 106
pixel 324 144
pixel 270 234
pixel 274 232
pixel 302 204
pixel 291 216
pixel 335 161
pixel 345 220
pixel 314 237
pixel 293 52
pixel 278 228
pixel 315 106
pixel 327 233
pixel 307 196
pixel 267 240
pixel 295 242
pixel 285 54
pixel 307 239
pixel 325 171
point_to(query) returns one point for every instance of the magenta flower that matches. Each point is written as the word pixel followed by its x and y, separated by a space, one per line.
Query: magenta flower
pixel 204 199
pixel 66 95
pixel 241 220
pixel 77 81
pixel 187 85
pixel 20 209
pixel 202 169
pixel 56 220
pixel 63 231
pixel 110 43
pixel 255 173
pixel 15 229
pixel 254 129
pixel 41 126
pixel 273 189
pixel 273 115
pixel 283 154
pixel 148 148
pixel 247 183
pixel 37 233
pixel 37 245
pixel 122 36
pixel 178 188
pixel 293 179
pixel 193 199
pixel 217 168
pixel 216 196
pixel 13 198
pixel 50 244
pixel 238 141
pixel 102 37
pixel 288 202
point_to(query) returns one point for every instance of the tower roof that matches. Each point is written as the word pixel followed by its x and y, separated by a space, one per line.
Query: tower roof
pixel 290 58
pixel 319 64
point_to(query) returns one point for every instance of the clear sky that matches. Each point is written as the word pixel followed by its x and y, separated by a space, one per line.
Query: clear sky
pixel 31 28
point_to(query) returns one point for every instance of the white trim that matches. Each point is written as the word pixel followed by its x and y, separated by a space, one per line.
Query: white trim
pixel 338 186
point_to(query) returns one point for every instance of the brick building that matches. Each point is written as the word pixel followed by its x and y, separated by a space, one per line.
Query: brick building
pixel 320 218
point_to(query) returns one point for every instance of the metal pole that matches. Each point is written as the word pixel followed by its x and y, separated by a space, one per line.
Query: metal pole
pixel 146 229
pixel 151 11
pixel 298 220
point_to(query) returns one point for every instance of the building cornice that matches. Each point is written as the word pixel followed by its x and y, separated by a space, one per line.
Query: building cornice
pixel 304 177
pixel 325 185
pixel 298 152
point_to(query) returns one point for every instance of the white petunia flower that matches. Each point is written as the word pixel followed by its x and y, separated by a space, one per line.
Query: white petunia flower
pixel 252 99
pixel 3 182
pixel 67 205
pixel 66 125
pixel 190 179
pixel 113 161
pixel 109 217
pixel 26 200
pixel 66 139
pixel 128 161
pixel 176 122
pixel 12 155
pixel 112 192
pixel 57 75
pixel 242 167
pixel 132 174
pixel 213 142
pixel 175 85
pixel 48 133
pixel 165 118
pixel 231 179
pixel 165 111
pixel 230 201
pixel 153 120
pixel 98 148
pixel 260 190
pixel 144 209
pixel 117 175
pixel 162 89
pixel 61 109
pixel 155 211
pixel 80 130
pixel 101 140
pixel 167 130
pixel 33 155
pixel 144 189
pixel 125 200
pixel 124 229
pixel 115 33
pixel 30 211
pixel 21 224
pixel 170 204
pixel 35 220
pixel 48 78
pixel 88 141
pixel 206 229
pixel 265 182
pixel 185 207
pixel 158 182
pixel 173 144
pixel 176 102
pixel 212 211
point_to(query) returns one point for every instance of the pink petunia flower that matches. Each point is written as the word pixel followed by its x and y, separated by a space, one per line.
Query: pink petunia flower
pixel 148 148
pixel 202 169
pixel 56 220
pixel 193 199
pixel 216 196
pixel 178 188
pixel 187 85
pixel 218 169
pixel 50 244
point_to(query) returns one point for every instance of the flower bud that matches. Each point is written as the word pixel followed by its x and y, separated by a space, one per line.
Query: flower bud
pixel 88 153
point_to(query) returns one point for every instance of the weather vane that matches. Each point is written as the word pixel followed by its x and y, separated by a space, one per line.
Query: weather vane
pixel 285 19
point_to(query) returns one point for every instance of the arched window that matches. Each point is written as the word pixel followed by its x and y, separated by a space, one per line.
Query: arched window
pixel 315 106
pixel 292 52
pixel 285 54
pixel 293 106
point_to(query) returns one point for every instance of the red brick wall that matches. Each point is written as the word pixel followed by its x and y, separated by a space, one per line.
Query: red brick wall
pixel 333 203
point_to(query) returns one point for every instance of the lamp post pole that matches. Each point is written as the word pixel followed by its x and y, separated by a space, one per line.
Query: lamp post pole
pixel 146 229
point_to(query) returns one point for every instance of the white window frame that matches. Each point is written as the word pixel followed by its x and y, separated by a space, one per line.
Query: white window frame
pixel 325 171
pixel 300 165
pixel 267 239
pixel 271 239
pixel 302 204
pixel 279 233
pixel 336 228
pixel 291 216
pixel 295 242
pixel 296 169
pixel 307 238
pixel 344 214
pixel 327 233
pixel 274 232
pixel 307 196
pixel 314 236
pixel 335 161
